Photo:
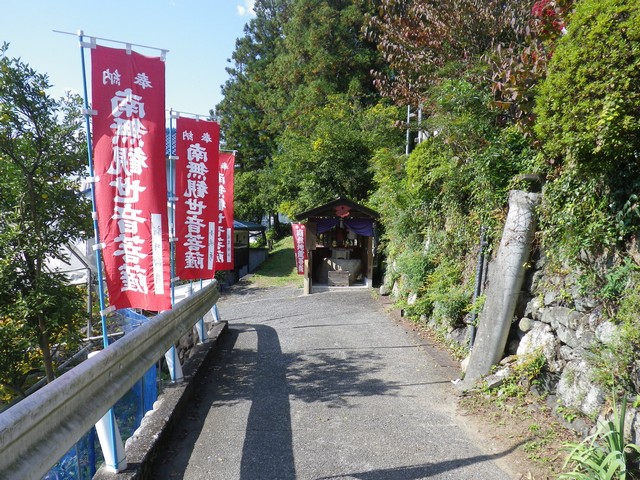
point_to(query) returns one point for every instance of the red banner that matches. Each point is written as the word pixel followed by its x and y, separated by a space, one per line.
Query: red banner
pixel 196 206
pixel 224 227
pixel 299 231
pixel 131 190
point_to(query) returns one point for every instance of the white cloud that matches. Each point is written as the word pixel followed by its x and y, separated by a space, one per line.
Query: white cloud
pixel 247 8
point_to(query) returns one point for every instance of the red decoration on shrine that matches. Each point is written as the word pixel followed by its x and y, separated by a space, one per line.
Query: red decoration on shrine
pixel 343 211
pixel 299 231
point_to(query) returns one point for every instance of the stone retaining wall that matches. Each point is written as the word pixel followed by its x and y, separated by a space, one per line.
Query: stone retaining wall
pixel 569 327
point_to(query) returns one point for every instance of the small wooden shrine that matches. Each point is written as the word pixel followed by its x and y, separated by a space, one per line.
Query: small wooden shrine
pixel 340 243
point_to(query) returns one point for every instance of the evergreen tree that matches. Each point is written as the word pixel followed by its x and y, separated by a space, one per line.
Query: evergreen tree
pixel 331 157
pixel 295 54
pixel 323 52
pixel 244 120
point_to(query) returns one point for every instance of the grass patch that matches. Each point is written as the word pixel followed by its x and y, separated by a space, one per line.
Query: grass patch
pixel 279 270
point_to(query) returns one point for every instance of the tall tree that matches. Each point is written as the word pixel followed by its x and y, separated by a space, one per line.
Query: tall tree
pixel 323 52
pixel 244 120
pixel 331 156
pixel 294 55
pixel 42 154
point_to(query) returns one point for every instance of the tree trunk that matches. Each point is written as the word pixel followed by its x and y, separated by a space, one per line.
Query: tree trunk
pixel 43 339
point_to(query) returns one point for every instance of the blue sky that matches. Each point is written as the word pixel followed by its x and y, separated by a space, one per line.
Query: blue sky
pixel 199 34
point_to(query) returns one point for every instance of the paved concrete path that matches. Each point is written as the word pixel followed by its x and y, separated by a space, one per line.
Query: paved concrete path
pixel 324 386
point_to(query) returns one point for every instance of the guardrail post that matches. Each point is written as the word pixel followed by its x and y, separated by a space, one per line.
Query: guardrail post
pixel 202 332
pixel 110 439
pixel 173 362
pixel 215 313
pixel 111 443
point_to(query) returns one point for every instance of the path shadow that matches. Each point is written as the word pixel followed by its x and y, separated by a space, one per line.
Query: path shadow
pixel 241 288
pixel 173 457
pixel 269 378
pixel 268 446
pixel 336 379
pixel 321 377
pixel 426 470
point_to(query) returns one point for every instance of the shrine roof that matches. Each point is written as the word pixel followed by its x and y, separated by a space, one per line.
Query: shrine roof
pixel 250 226
pixel 339 208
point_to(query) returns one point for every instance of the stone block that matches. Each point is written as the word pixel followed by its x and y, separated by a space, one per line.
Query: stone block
pixel 564 316
pixel 532 310
pixel 607 333
pixel 541 337
pixel 525 324
pixel 412 298
pixel 338 278
pixel 567 336
pixel 577 389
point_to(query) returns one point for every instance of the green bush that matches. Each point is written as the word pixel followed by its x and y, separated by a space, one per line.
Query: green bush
pixel 589 127
pixel 434 202
pixel 446 290
pixel 617 280
pixel 618 361
pixel 414 266
pixel 576 215
pixel 588 106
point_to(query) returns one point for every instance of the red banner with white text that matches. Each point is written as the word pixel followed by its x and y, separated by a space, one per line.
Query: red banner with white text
pixel 299 231
pixel 224 227
pixel 197 149
pixel 128 94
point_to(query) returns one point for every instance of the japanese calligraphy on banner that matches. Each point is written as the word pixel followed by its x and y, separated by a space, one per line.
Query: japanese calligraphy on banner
pixel 196 191
pixel 299 231
pixel 131 190
pixel 224 226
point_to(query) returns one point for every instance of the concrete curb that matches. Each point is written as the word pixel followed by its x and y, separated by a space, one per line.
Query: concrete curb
pixel 158 424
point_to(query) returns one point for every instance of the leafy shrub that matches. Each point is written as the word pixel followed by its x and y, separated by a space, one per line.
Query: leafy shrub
pixel 588 121
pixel 587 107
pixel 617 361
pixel 446 290
pixel 603 455
pixel 414 266
pixel 576 215
pixel 436 200
pixel 617 279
